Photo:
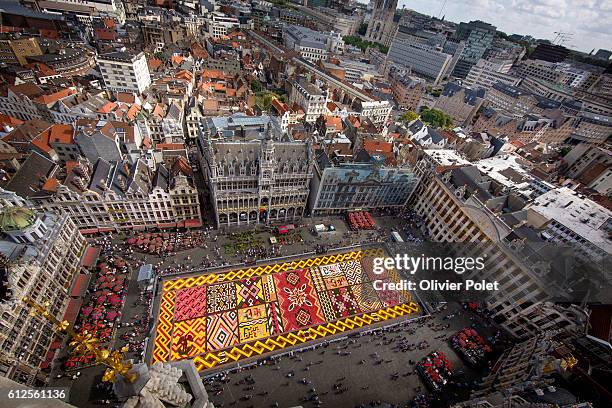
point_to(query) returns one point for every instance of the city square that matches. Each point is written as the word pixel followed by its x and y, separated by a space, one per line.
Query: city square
pixel 280 305
pixel 305 204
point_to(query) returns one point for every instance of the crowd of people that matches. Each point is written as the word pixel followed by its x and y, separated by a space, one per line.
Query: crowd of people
pixel 165 244
pixel 103 307
pixel 298 381
pixel 161 251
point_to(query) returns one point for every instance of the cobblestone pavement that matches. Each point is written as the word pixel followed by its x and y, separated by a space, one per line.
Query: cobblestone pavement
pixel 84 392
pixel 370 369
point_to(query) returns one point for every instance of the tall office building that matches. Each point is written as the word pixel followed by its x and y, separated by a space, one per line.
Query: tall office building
pixel 549 52
pixel 382 26
pixel 125 72
pixel 478 36
pixel 423 59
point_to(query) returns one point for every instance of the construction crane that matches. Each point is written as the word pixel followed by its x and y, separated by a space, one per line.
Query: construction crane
pixel 562 37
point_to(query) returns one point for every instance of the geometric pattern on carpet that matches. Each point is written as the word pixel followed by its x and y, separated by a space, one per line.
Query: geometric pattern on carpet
pixel 354 273
pixel 343 302
pixel 297 300
pixel 388 297
pixel 269 291
pixel 189 338
pixel 367 263
pixel 326 306
pixel 317 279
pixel 222 329
pixel 274 320
pixel 226 334
pixel 328 271
pixel 366 297
pixel 190 303
pixel 335 282
pixel 221 297
pixel 395 277
pixel 249 292
pixel 252 323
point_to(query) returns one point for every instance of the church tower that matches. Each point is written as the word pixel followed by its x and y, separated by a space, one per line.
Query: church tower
pixel 381 28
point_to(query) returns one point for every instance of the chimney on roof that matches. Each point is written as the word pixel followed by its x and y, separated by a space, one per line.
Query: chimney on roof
pixel 79 183
pixel 122 183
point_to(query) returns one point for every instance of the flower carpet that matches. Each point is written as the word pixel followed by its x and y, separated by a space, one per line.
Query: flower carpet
pixel 221 318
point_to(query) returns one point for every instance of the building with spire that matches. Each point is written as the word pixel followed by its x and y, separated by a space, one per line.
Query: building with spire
pixel 40 255
pixel 253 176
pixel 382 26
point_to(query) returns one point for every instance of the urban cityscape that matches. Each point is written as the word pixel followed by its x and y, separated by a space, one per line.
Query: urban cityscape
pixel 305 203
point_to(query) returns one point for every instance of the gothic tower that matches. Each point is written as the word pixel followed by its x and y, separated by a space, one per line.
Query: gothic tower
pixel 381 28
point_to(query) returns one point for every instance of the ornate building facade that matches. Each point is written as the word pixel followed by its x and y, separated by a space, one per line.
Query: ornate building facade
pixel 255 179
pixel 337 189
pixel 111 196
pixel 40 254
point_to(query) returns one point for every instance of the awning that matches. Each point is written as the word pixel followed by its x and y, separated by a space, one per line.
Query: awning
pixel 80 285
pixel 106 229
pixel 91 256
pixel 139 227
pixel 180 224
pixel 166 224
pixel 145 272
pixel 48 359
pixel 193 223
pixel 72 310
pixel 89 231
pixel 55 345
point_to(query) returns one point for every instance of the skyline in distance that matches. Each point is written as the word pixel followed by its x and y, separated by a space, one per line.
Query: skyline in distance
pixel 585 19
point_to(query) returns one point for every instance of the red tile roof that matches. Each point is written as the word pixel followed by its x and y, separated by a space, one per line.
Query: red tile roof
pixel 154 63
pixel 280 106
pixel 354 121
pixel 108 107
pixel 55 96
pixel 133 111
pixel 377 146
pixel 213 73
pixel 333 121
pixel 170 146
pixel 51 185
pixel 177 59
pixel 181 165
pixel 125 97
pixel 42 142
pixel 30 90
pixel 43 69
pixel 61 133
pixel 9 120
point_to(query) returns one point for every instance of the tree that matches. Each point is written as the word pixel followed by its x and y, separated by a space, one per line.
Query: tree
pixel 362 29
pixel 409 116
pixel 256 86
pixel 364 45
pixel 436 118
pixel 160 56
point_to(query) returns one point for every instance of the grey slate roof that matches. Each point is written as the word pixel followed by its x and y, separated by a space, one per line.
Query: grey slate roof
pixel 30 176
pixel 470 95
pixel 161 177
